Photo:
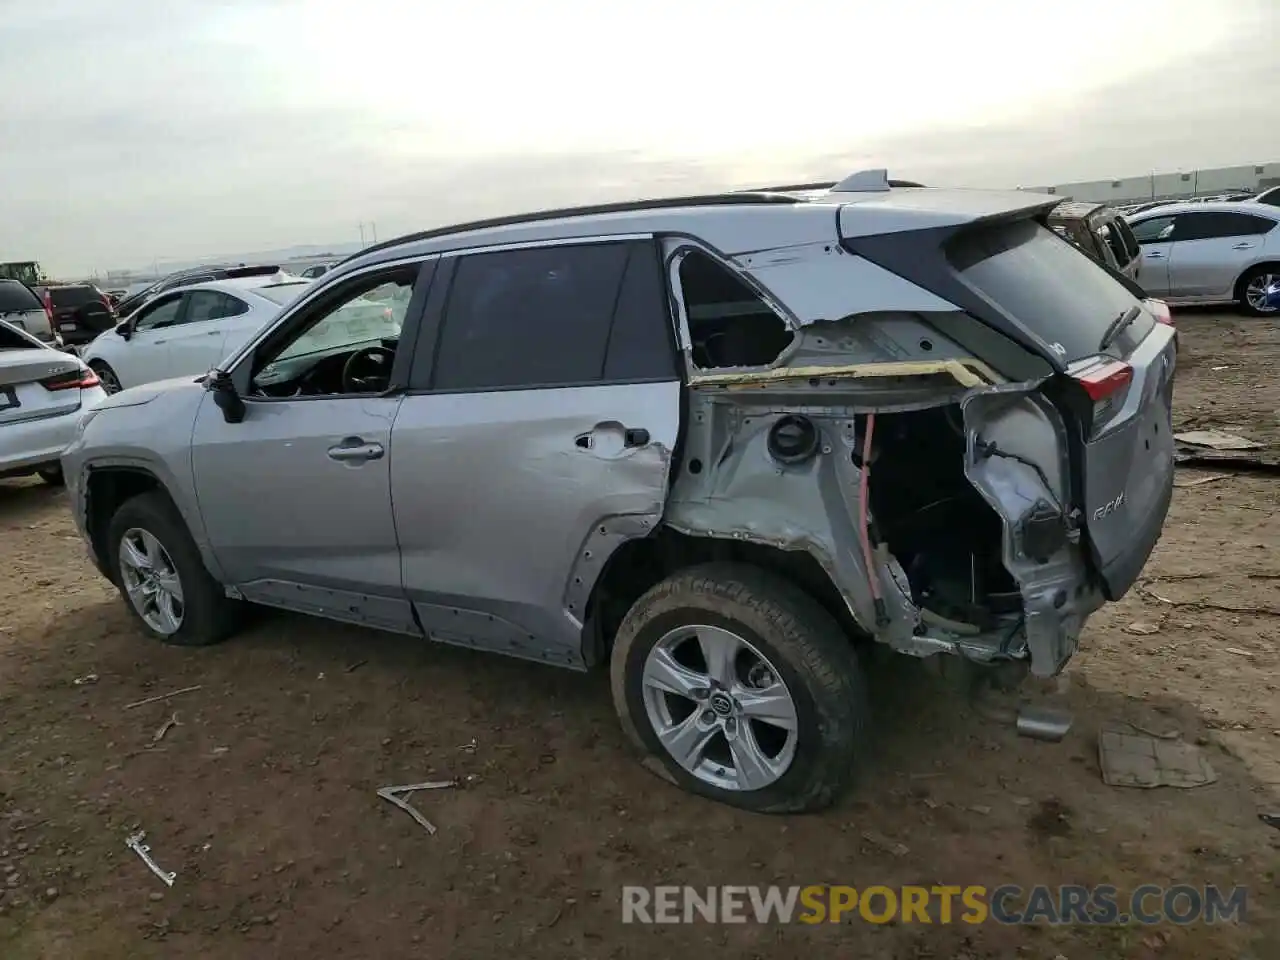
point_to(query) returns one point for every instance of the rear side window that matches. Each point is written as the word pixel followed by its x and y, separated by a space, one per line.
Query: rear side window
pixel 1214 226
pixel 74 296
pixel 1049 286
pixel 15 298
pixel 555 316
pixel 1130 242
pixel 1107 233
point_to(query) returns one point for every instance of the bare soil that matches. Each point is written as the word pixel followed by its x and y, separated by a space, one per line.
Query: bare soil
pixel 262 798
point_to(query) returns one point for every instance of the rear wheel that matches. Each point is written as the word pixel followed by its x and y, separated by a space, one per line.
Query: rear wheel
pixel 110 382
pixel 741 688
pixel 1253 287
pixel 158 570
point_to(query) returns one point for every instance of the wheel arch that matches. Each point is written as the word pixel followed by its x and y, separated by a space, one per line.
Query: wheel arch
pixel 107 487
pixel 640 563
pixel 1237 288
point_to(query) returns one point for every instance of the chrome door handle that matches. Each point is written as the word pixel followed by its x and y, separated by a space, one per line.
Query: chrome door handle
pixel 158 342
pixel 1243 246
pixel 1155 256
pixel 355 450
pixel 214 333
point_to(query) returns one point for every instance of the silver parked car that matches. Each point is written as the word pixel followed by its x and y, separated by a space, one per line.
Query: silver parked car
pixel 1211 253
pixel 718 443
pixel 21 307
pixel 43 393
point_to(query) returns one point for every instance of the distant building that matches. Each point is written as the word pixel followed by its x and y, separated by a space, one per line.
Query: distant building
pixel 1170 186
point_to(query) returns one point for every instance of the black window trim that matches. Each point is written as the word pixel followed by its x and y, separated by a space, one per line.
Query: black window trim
pixel 320 296
pixel 432 326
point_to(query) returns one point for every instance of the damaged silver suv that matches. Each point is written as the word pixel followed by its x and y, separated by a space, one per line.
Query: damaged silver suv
pixel 721 443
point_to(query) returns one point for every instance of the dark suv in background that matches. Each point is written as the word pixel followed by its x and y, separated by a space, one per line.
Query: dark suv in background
pixel 77 311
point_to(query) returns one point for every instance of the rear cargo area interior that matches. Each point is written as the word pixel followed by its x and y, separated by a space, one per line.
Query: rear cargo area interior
pixel 730 325
pixel 936 524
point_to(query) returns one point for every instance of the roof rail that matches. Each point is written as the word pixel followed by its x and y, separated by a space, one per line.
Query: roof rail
pixel 628 206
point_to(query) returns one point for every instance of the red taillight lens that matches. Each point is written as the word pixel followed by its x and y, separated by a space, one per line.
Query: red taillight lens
pixel 1103 381
pixel 1160 310
pixel 75 380
pixel 1101 386
pixel 48 305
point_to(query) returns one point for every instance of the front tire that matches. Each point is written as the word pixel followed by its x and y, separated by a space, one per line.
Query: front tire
pixel 1251 290
pixel 157 567
pixel 110 382
pixel 52 475
pixel 740 687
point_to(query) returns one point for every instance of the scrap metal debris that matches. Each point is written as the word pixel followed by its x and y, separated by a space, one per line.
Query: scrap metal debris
pixel 135 844
pixel 163 696
pixel 1200 481
pixel 87 679
pixel 1142 629
pixel 400 797
pixel 1270 819
pixel 1130 759
pixel 165 728
pixel 1216 440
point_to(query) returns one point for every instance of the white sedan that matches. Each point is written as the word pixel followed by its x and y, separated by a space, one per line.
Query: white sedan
pixel 43 392
pixel 185 331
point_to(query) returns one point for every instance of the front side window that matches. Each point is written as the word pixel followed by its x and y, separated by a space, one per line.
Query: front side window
pixel 555 316
pixel 1155 230
pixel 344 343
pixel 157 315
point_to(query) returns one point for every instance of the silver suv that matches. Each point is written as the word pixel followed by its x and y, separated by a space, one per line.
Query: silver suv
pixel 720 443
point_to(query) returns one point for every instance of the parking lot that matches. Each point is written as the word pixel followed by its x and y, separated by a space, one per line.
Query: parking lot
pixel 262 796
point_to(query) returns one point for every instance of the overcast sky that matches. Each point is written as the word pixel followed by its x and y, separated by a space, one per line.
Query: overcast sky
pixel 139 129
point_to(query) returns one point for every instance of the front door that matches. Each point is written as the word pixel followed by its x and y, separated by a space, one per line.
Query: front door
pixel 538 441
pixel 1154 242
pixel 296 497
pixel 144 357
pixel 195 344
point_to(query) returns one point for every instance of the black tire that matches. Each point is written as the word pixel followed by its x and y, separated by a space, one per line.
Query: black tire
pixel 110 382
pixel 1249 277
pixel 52 475
pixel 803 642
pixel 209 616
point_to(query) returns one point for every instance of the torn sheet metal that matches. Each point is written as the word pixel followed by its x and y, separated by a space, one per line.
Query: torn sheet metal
pixel 1130 759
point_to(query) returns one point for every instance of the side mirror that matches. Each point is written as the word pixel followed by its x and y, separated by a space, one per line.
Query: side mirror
pixel 125 328
pixel 227 399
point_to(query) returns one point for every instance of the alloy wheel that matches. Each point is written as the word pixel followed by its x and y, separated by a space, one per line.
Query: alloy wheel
pixel 1256 292
pixel 151 581
pixel 720 708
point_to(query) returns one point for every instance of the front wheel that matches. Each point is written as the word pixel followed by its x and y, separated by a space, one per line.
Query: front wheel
pixel 52 475
pixel 158 570
pixel 1255 288
pixel 110 382
pixel 742 688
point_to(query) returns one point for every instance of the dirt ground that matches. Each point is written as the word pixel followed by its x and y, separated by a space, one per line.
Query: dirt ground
pixel 263 798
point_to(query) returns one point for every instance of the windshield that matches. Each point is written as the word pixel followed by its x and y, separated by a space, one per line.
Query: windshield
pixel 282 293
pixel 15 298
pixel 1049 286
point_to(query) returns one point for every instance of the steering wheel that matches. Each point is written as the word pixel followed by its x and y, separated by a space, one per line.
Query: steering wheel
pixel 368 370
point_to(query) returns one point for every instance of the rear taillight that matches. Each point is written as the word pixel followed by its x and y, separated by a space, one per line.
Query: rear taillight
pixel 48 305
pixel 1101 385
pixel 1160 310
pixel 75 380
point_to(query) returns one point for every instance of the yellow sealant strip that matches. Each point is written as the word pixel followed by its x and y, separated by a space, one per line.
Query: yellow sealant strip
pixel 967 373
